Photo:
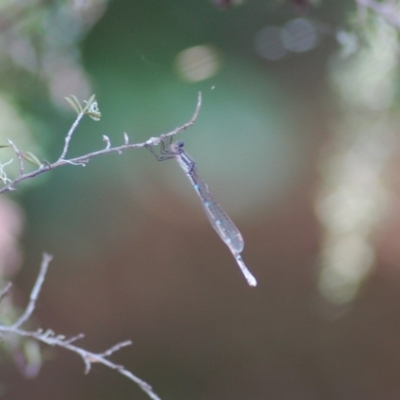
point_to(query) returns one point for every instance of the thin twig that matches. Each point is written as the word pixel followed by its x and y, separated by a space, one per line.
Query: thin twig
pixel 156 140
pixel 69 135
pixel 88 357
pixel 115 348
pixel 50 338
pixel 35 292
pixel 75 338
pixel 19 156
pixel 83 160
pixel 107 140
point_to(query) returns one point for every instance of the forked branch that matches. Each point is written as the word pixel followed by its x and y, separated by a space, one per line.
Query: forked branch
pixel 52 339
pixel 84 159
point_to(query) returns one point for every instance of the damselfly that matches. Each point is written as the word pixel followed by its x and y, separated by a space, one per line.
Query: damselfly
pixel 218 218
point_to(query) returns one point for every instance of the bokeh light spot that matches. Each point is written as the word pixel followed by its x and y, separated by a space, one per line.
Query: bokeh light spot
pixel 198 63
pixel 299 35
pixel 268 43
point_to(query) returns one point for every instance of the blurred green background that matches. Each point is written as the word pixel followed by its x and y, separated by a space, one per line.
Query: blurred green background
pixel 283 127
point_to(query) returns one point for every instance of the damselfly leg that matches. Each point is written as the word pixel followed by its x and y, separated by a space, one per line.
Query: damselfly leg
pixel 165 153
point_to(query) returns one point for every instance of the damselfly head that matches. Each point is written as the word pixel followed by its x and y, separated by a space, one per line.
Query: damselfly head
pixel 177 147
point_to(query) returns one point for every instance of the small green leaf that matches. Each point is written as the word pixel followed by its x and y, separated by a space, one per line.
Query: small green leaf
pixel 75 99
pixel 92 99
pixel 77 102
pixel 31 158
pixel 2 146
pixel 75 106
pixel 89 103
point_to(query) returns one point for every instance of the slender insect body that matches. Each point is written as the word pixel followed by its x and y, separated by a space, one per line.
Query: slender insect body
pixel 219 220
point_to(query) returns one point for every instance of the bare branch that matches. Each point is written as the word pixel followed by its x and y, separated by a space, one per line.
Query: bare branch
pixel 156 140
pixel 107 140
pixel 20 158
pixel 69 135
pixel 50 338
pixel 88 357
pixel 83 160
pixel 115 348
pixel 75 338
pixel 35 292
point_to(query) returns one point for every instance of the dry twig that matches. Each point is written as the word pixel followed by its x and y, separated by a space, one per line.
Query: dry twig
pixel 50 338
pixel 83 160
